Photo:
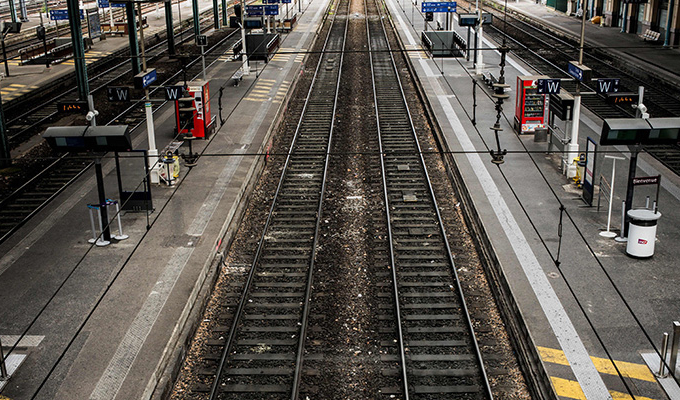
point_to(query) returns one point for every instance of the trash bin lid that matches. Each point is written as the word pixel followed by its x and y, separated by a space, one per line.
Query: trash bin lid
pixel 644 215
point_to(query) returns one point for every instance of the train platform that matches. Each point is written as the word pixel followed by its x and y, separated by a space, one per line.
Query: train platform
pixel 653 57
pixel 582 300
pixel 23 79
pixel 111 322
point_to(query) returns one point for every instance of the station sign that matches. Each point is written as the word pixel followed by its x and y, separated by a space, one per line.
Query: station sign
pixel 271 1
pixel 174 92
pixel 624 131
pixel 254 10
pixel 548 86
pixel 607 85
pixel 647 180
pixel 75 106
pixel 106 4
pixel 579 71
pixel 118 93
pixel 201 40
pixel 271 9
pixel 473 20
pixel 62 15
pixel 439 6
pixel 144 79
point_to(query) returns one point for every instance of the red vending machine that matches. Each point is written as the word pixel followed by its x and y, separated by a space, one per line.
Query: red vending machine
pixel 531 108
pixel 202 122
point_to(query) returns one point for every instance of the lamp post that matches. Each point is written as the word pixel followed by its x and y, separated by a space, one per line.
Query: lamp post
pixel 572 147
pixel 153 152
pixel 244 54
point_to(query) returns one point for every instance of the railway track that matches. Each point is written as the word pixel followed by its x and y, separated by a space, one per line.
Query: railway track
pixel 17 208
pixel 436 348
pixel 262 353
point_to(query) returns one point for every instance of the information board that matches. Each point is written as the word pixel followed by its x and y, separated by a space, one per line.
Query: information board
pixel 438 6
pixel 62 15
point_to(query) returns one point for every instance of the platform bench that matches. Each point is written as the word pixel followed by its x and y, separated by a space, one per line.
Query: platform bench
pixel 489 79
pixel 237 77
pixel 650 35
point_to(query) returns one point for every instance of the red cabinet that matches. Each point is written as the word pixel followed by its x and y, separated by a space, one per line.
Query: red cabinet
pixel 531 108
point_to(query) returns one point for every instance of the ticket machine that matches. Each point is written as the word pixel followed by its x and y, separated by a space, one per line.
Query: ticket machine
pixel 200 110
pixel 531 107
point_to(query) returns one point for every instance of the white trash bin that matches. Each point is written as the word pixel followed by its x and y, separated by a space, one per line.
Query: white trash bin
pixel 642 233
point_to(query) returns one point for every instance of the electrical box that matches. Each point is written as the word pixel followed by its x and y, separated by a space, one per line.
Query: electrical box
pixel 531 108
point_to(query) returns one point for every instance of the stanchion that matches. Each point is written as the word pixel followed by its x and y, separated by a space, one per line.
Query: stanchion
pixel 622 238
pixel 664 350
pixel 3 368
pixel 121 235
pixel 97 239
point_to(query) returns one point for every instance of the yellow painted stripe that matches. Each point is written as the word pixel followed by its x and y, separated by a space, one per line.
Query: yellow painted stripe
pixel 572 390
pixel 17 84
pixel 631 370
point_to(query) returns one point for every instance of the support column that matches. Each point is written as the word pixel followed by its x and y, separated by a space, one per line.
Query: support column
pixel 169 28
pixel 78 49
pixel 12 11
pixel 225 20
pixel 194 10
pixel 216 15
pixel 132 36
pixel 5 157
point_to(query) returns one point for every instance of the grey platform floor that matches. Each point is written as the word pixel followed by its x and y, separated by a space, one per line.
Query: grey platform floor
pixel 144 287
pixel 577 314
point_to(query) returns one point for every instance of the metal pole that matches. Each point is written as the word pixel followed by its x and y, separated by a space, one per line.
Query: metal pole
pixel 244 53
pixel 674 347
pixel 153 152
pixel 169 28
pixel 662 358
pixel 194 9
pixel 12 11
pixel 625 16
pixel 78 48
pixel 5 155
pixel 608 233
pixel 669 19
pixel 203 62
pixel 216 14
pixel 225 20
pixel 132 37
pixel 106 231
pixel 630 189
pixel 3 367
pixel 4 56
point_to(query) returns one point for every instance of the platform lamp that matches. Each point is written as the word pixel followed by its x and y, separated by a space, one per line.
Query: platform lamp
pixel 572 147
pixel 499 93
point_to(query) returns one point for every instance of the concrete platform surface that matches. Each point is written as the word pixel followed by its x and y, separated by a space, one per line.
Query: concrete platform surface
pixel 583 300
pixel 108 322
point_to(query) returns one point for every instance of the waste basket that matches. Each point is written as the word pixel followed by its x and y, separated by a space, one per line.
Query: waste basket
pixel 541 135
pixel 642 232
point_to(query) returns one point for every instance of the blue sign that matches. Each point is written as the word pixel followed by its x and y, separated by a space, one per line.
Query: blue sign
pixel 149 78
pixel 271 9
pixel 439 6
pixel 254 10
pixel 285 1
pixel 579 71
pixel 144 79
pixel 548 86
pixel 270 1
pixel 106 4
pixel 60 15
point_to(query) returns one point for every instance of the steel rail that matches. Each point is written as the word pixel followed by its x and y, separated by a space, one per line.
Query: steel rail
pixel 440 222
pixel 261 243
pixel 390 238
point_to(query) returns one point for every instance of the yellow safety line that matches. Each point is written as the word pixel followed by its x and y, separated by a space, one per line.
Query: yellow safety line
pixel 572 390
pixel 630 370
